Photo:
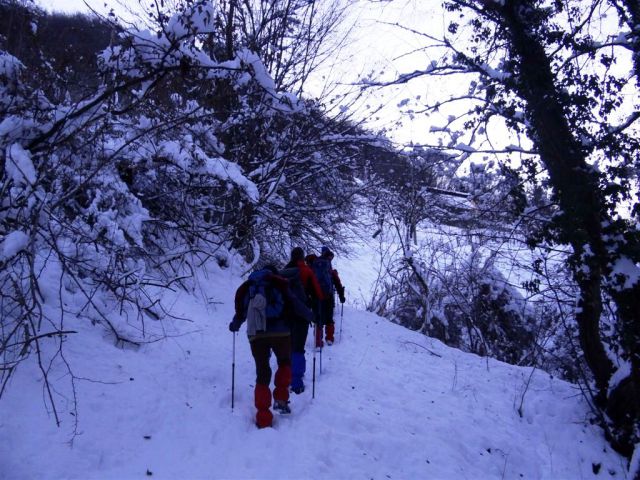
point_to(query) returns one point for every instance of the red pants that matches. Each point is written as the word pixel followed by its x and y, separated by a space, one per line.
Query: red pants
pixel 261 348
pixel 329 333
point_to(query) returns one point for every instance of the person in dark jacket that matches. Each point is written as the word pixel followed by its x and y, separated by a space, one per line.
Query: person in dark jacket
pixel 335 279
pixel 311 294
pixel 330 283
pixel 273 335
pixel 339 289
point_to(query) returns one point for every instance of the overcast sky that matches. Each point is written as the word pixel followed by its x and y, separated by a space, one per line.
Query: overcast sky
pixel 69 5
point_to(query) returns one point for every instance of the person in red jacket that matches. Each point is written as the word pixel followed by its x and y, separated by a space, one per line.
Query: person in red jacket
pixel 312 294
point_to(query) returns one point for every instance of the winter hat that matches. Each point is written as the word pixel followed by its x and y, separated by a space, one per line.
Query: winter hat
pixel 324 251
pixel 297 254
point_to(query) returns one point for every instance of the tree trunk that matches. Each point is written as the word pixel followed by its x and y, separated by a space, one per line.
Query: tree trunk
pixel 576 186
pixel 573 181
pixel 633 10
pixel 229 30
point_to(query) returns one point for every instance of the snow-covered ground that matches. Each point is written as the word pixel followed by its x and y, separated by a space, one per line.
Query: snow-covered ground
pixel 390 404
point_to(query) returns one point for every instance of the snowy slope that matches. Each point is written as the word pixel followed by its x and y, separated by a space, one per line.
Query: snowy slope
pixel 390 404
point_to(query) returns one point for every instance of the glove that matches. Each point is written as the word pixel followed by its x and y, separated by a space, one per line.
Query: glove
pixel 234 325
pixel 341 298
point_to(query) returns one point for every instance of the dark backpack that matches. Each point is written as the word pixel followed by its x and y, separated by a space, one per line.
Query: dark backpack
pixel 259 283
pixel 295 282
pixel 322 269
pixel 299 301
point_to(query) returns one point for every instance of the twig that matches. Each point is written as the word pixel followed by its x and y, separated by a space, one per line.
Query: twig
pixel 423 347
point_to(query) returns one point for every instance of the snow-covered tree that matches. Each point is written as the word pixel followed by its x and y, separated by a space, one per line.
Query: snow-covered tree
pixel 167 157
pixel 552 74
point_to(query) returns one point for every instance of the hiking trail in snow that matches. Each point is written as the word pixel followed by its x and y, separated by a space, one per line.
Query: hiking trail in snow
pixel 390 404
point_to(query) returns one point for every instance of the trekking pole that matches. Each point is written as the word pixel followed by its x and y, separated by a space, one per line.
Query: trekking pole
pixel 319 339
pixel 313 381
pixel 233 371
pixel 341 318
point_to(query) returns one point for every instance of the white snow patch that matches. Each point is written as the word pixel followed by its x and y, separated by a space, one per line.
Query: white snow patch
pixel 627 270
pixel 465 148
pixel 12 244
pixel 19 166
pixel 9 65
pixel 620 374
pixel 495 73
pixel 165 409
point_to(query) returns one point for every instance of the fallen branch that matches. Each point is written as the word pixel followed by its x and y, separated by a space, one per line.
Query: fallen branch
pixel 422 346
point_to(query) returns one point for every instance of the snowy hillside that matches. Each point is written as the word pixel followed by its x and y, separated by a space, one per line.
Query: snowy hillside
pixel 390 404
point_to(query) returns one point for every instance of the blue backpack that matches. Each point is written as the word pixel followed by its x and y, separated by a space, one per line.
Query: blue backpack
pixel 322 269
pixel 259 283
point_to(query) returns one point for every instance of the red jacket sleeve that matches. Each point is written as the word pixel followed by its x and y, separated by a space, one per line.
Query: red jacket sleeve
pixel 239 301
pixel 336 281
pixel 310 282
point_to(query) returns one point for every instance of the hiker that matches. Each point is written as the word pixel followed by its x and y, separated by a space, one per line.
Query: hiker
pixel 329 282
pixel 309 291
pixel 267 304
pixel 337 284
pixel 335 278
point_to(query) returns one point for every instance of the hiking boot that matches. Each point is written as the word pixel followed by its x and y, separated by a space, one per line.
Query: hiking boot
pixel 282 407
pixel 330 330
pixel 297 390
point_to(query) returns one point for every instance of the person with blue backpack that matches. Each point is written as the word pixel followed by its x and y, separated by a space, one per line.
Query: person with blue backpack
pixel 267 304
pixel 329 283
